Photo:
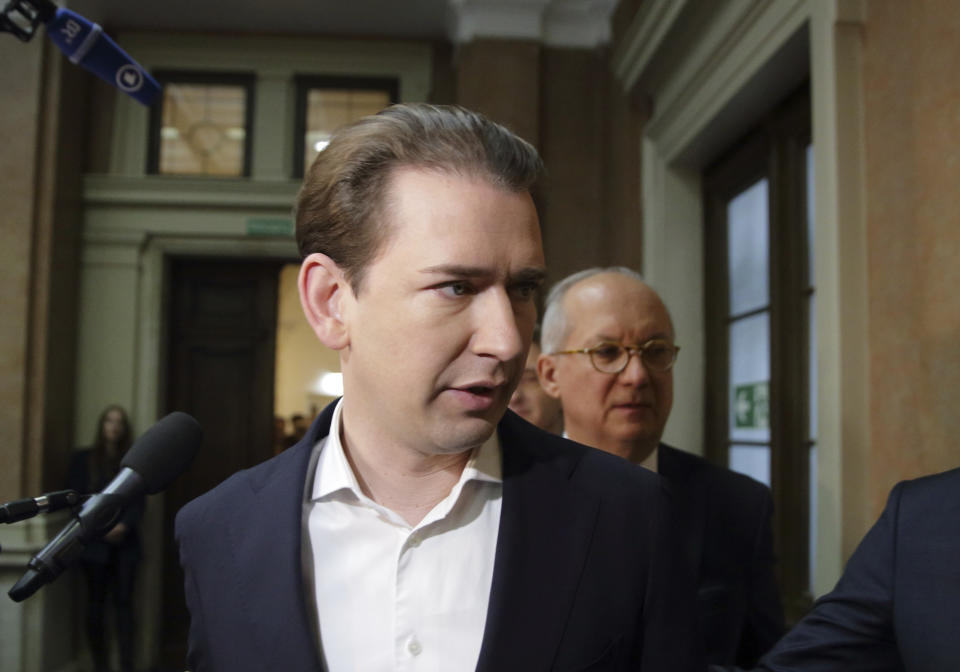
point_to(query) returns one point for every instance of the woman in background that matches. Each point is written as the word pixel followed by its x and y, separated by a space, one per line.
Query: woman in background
pixel 109 563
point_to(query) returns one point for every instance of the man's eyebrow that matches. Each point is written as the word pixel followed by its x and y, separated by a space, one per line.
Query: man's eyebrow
pixel 457 270
pixel 600 338
pixel 659 336
pixel 534 275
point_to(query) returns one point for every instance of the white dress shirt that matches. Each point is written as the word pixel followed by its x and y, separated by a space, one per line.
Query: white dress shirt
pixel 391 597
pixel 651 462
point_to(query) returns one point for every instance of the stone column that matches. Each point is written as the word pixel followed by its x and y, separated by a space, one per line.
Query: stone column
pixel 501 79
pixel 42 117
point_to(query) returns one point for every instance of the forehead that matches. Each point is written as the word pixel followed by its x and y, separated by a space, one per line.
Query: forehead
pixel 616 307
pixel 439 218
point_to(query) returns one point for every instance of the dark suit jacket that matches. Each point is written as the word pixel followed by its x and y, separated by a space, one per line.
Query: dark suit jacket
pixel 583 578
pixel 726 527
pixel 897 605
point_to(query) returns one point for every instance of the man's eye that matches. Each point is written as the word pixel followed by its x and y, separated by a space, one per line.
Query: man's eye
pixel 658 354
pixel 657 351
pixel 455 289
pixel 525 290
pixel 607 353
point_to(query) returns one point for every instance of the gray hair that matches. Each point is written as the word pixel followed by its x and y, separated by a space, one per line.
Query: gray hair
pixel 555 327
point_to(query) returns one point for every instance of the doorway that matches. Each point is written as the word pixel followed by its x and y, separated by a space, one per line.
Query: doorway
pixel 221 342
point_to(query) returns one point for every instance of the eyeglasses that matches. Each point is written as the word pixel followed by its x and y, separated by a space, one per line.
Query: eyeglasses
pixel 656 355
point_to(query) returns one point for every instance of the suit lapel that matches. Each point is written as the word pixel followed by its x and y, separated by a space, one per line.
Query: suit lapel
pixel 268 564
pixel 689 503
pixel 546 526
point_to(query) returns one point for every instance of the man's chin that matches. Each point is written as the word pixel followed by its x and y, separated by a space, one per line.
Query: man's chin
pixel 638 435
pixel 465 434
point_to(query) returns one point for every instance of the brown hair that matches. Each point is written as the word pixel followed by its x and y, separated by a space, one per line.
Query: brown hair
pixel 340 208
pixel 105 459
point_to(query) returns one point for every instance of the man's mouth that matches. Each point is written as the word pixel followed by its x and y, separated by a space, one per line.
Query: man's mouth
pixel 479 395
pixel 480 390
pixel 633 405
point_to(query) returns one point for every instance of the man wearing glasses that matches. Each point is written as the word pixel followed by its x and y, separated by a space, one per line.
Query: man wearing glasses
pixel 609 351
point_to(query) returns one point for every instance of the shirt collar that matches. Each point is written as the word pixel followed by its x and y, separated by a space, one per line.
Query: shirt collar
pixel 652 462
pixel 334 472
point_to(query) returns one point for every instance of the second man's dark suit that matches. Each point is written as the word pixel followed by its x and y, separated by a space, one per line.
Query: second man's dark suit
pixel 584 578
pixel 897 606
pixel 726 526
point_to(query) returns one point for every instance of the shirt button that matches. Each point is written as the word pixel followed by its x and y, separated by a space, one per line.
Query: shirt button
pixel 414 647
pixel 413 541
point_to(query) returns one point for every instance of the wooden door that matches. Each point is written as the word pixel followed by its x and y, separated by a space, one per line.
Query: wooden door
pixel 220 369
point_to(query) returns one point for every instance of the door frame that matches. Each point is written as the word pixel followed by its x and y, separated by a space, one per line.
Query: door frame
pixel 150 391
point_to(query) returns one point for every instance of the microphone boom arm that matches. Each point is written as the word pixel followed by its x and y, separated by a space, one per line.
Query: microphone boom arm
pixel 21 509
pixel 21 17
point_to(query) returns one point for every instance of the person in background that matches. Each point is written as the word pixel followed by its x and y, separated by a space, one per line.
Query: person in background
pixel 298 427
pixel 609 353
pixel 530 402
pixel 279 435
pixel 109 564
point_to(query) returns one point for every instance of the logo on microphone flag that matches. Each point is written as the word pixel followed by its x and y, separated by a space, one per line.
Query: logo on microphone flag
pixel 129 78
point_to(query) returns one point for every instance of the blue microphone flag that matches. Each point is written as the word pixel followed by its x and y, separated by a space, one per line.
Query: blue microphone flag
pixel 85 44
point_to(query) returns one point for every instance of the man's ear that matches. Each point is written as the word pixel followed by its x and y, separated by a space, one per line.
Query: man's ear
pixel 323 289
pixel 547 373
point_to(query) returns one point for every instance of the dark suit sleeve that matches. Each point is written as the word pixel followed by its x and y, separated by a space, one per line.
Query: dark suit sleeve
pixel 851 628
pixel 196 659
pixel 763 621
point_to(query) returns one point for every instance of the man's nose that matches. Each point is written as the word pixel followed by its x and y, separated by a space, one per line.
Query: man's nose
pixel 635 372
pixel 497 332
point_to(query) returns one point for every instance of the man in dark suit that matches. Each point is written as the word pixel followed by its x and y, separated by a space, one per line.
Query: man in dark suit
pixel 609 345
pixel 416 527
pixel 897 606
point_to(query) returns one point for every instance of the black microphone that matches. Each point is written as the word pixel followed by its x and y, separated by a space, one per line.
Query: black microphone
pixel 21 509
pixel 159 456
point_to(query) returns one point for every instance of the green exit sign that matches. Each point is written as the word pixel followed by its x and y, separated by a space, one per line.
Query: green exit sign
pixel 269 226
pixel 751 405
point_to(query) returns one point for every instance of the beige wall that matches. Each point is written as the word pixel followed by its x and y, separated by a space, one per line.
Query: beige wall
pixel 501 78
pixel 912 138
pixel 572 146
pixel 17 186
pixel 42 117
pixel 41 219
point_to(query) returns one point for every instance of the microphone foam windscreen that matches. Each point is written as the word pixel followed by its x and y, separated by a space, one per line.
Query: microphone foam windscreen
pixel 165 450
